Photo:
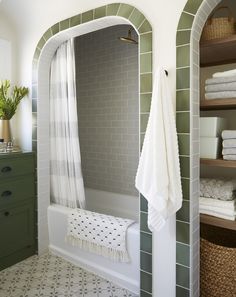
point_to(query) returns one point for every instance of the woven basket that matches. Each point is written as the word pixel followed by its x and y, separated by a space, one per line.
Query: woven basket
pixel 218 27
pixel 217 270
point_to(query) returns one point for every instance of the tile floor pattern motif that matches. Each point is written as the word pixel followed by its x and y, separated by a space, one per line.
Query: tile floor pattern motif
pixel 52 276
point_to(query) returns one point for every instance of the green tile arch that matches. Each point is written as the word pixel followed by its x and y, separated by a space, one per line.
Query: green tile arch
pixel 183 220
pixel 144 28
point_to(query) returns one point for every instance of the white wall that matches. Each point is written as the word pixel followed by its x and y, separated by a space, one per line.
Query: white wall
pixel 33 18
pixel 8 57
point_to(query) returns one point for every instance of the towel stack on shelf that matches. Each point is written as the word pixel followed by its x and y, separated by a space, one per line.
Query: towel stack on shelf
pixel 218 198
pixel 221 85
pixel 229 144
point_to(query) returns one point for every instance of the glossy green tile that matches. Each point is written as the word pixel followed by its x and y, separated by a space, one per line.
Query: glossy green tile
pixel 183 254
pixel 47 34
pixel 192 6
pixel 183 37
pixel 34 76
pixel 184 213
pixel 143 204
pixel 41 43
pixel 34 92
pixel 100 12
pixel 34 146
pixel 146 282
pixel 146 262
pixel 146 242
pixel 37 54
pixel 65 24
pixel 182 232
pixel 146 83
pixel 184 144
pixel 87 16
pixel 146 42
pixel 141 140
pixel 145 102
pixel 182 276
pixel 186 21
pixel 75 20
pixel 143 222
pixel 136 18
pixel 181 292
pixel 125 10
pixel 183 122
pixel 183 100
pixel 112 9
pixel 145 27
pixel 183 78
pixel 34 105
pixel 185 188
pixel 145 294
pixel 55 29
pixel 144 120
pixel 184 166
pixel 146 63
pixel 183 56
pixel 34 133
pixel 34 118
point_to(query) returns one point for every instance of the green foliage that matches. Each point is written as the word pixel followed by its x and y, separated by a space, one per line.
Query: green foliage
pixel 9 102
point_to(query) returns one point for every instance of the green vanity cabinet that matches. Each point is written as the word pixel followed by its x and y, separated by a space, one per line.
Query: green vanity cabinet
pixel 17 208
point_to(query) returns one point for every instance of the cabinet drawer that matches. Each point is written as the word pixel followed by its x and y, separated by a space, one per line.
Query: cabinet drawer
pixel 14 191
pixel 10 167
pixel 16 228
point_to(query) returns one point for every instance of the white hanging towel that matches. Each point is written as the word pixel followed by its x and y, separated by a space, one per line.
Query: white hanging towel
pixel 158 176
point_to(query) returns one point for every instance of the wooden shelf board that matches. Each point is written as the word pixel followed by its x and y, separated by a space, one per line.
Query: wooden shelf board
pixel 218 104
pixel 218 163
pixel 218 51
pixel 213 221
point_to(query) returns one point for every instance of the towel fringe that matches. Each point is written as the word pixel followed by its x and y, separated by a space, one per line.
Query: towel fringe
pixel 117 256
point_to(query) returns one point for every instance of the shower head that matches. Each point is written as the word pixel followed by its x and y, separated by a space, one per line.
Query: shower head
pixel 129 39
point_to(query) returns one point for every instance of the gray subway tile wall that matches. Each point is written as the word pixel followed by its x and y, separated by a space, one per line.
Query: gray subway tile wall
pixel 107 77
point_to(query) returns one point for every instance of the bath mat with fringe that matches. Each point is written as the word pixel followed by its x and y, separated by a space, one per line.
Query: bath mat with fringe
pixel 99 233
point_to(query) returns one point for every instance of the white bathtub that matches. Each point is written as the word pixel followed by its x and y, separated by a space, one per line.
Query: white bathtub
pixel 124 274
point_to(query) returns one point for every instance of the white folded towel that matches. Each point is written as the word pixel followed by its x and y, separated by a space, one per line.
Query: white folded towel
pixel 229 143
pixel 216 214
pixel 229 157
pixel 220 80
pixel 219 95
pixel 231 86
pixel 218 188
pixel 225 73
pixel 158 176
pixel 224 205
pixel 229 151
pixel 228 134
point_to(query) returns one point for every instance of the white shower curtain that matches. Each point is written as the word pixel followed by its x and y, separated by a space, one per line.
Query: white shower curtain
pixel 67 187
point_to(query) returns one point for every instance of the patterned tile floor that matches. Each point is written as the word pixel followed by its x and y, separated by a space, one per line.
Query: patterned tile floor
pixel 51 276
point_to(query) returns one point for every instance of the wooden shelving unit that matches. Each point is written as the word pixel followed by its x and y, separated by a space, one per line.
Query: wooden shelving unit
pixel 218 163
pixel 218 51
pixel 218 104
pixel 213 221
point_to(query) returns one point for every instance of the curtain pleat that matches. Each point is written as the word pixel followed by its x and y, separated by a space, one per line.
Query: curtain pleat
pixel 67 187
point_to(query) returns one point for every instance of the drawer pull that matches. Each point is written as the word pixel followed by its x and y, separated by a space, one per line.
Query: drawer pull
pixel 6 193
pixel 6 169
pixel 6 213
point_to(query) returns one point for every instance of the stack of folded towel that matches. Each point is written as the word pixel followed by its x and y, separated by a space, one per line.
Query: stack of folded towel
pixel 221 85
pixel 229 144
pixel 218 197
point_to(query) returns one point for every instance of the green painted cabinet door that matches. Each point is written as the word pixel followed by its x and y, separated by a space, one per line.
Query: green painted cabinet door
pixel 16 228
pixel 17 208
